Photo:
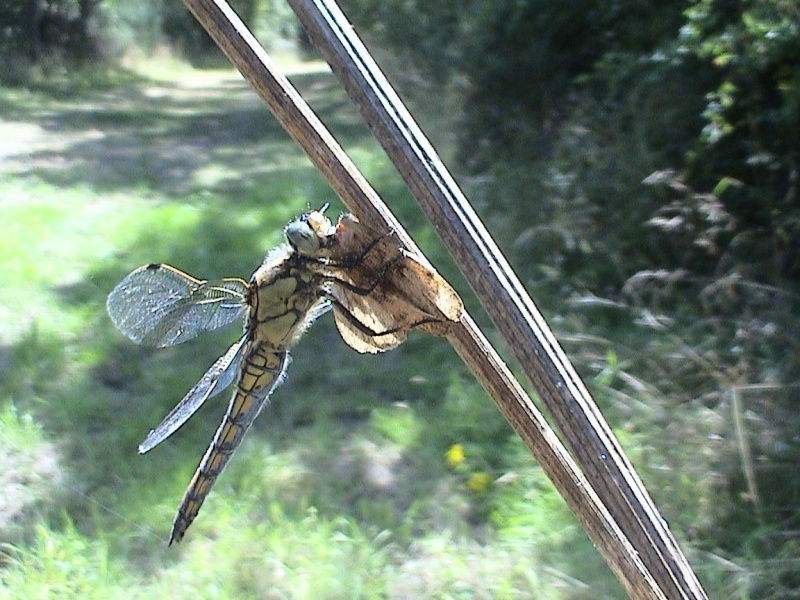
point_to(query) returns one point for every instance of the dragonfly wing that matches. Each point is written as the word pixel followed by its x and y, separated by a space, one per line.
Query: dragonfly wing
pixel 158 305
pixel 218 377
pixel 261 371
pixel 358 318
pixel 420 286
pixel 384 291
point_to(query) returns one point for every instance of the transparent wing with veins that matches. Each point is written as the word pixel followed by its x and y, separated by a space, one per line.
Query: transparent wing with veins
pixel 158 305
pixel 218 377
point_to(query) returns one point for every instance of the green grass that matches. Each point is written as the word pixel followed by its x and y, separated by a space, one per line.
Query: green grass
pixel 342 490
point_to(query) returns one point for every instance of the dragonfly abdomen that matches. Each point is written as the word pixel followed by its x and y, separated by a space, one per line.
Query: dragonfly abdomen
pixel 262 368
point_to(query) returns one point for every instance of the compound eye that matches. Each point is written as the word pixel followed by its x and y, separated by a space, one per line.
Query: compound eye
pixel 301 236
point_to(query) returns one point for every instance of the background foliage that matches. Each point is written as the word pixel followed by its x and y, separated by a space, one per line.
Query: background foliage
pixel 638 162
pixel 644 156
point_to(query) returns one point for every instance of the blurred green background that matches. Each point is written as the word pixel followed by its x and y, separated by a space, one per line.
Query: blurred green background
pixel 636 161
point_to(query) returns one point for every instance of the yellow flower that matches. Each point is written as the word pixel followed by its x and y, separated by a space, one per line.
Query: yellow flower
pixel 455 455
pixel 479 482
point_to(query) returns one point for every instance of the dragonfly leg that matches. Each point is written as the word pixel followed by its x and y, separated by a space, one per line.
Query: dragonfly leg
pixel 365 291
pixel 355 261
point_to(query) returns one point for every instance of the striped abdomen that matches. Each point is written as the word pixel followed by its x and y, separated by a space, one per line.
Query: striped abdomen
pixel 260 372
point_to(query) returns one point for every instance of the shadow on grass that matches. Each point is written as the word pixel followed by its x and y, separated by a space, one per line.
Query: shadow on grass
pixel 183 138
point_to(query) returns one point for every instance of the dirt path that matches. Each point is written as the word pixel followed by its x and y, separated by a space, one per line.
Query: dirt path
pixel 199 131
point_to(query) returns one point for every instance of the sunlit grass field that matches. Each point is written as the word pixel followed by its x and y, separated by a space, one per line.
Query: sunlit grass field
pixel 367 476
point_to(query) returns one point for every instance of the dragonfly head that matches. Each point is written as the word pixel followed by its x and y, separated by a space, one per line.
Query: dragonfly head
pixel 310 232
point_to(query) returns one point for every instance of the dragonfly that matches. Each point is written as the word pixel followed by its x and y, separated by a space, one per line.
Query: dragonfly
pixel 378 292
